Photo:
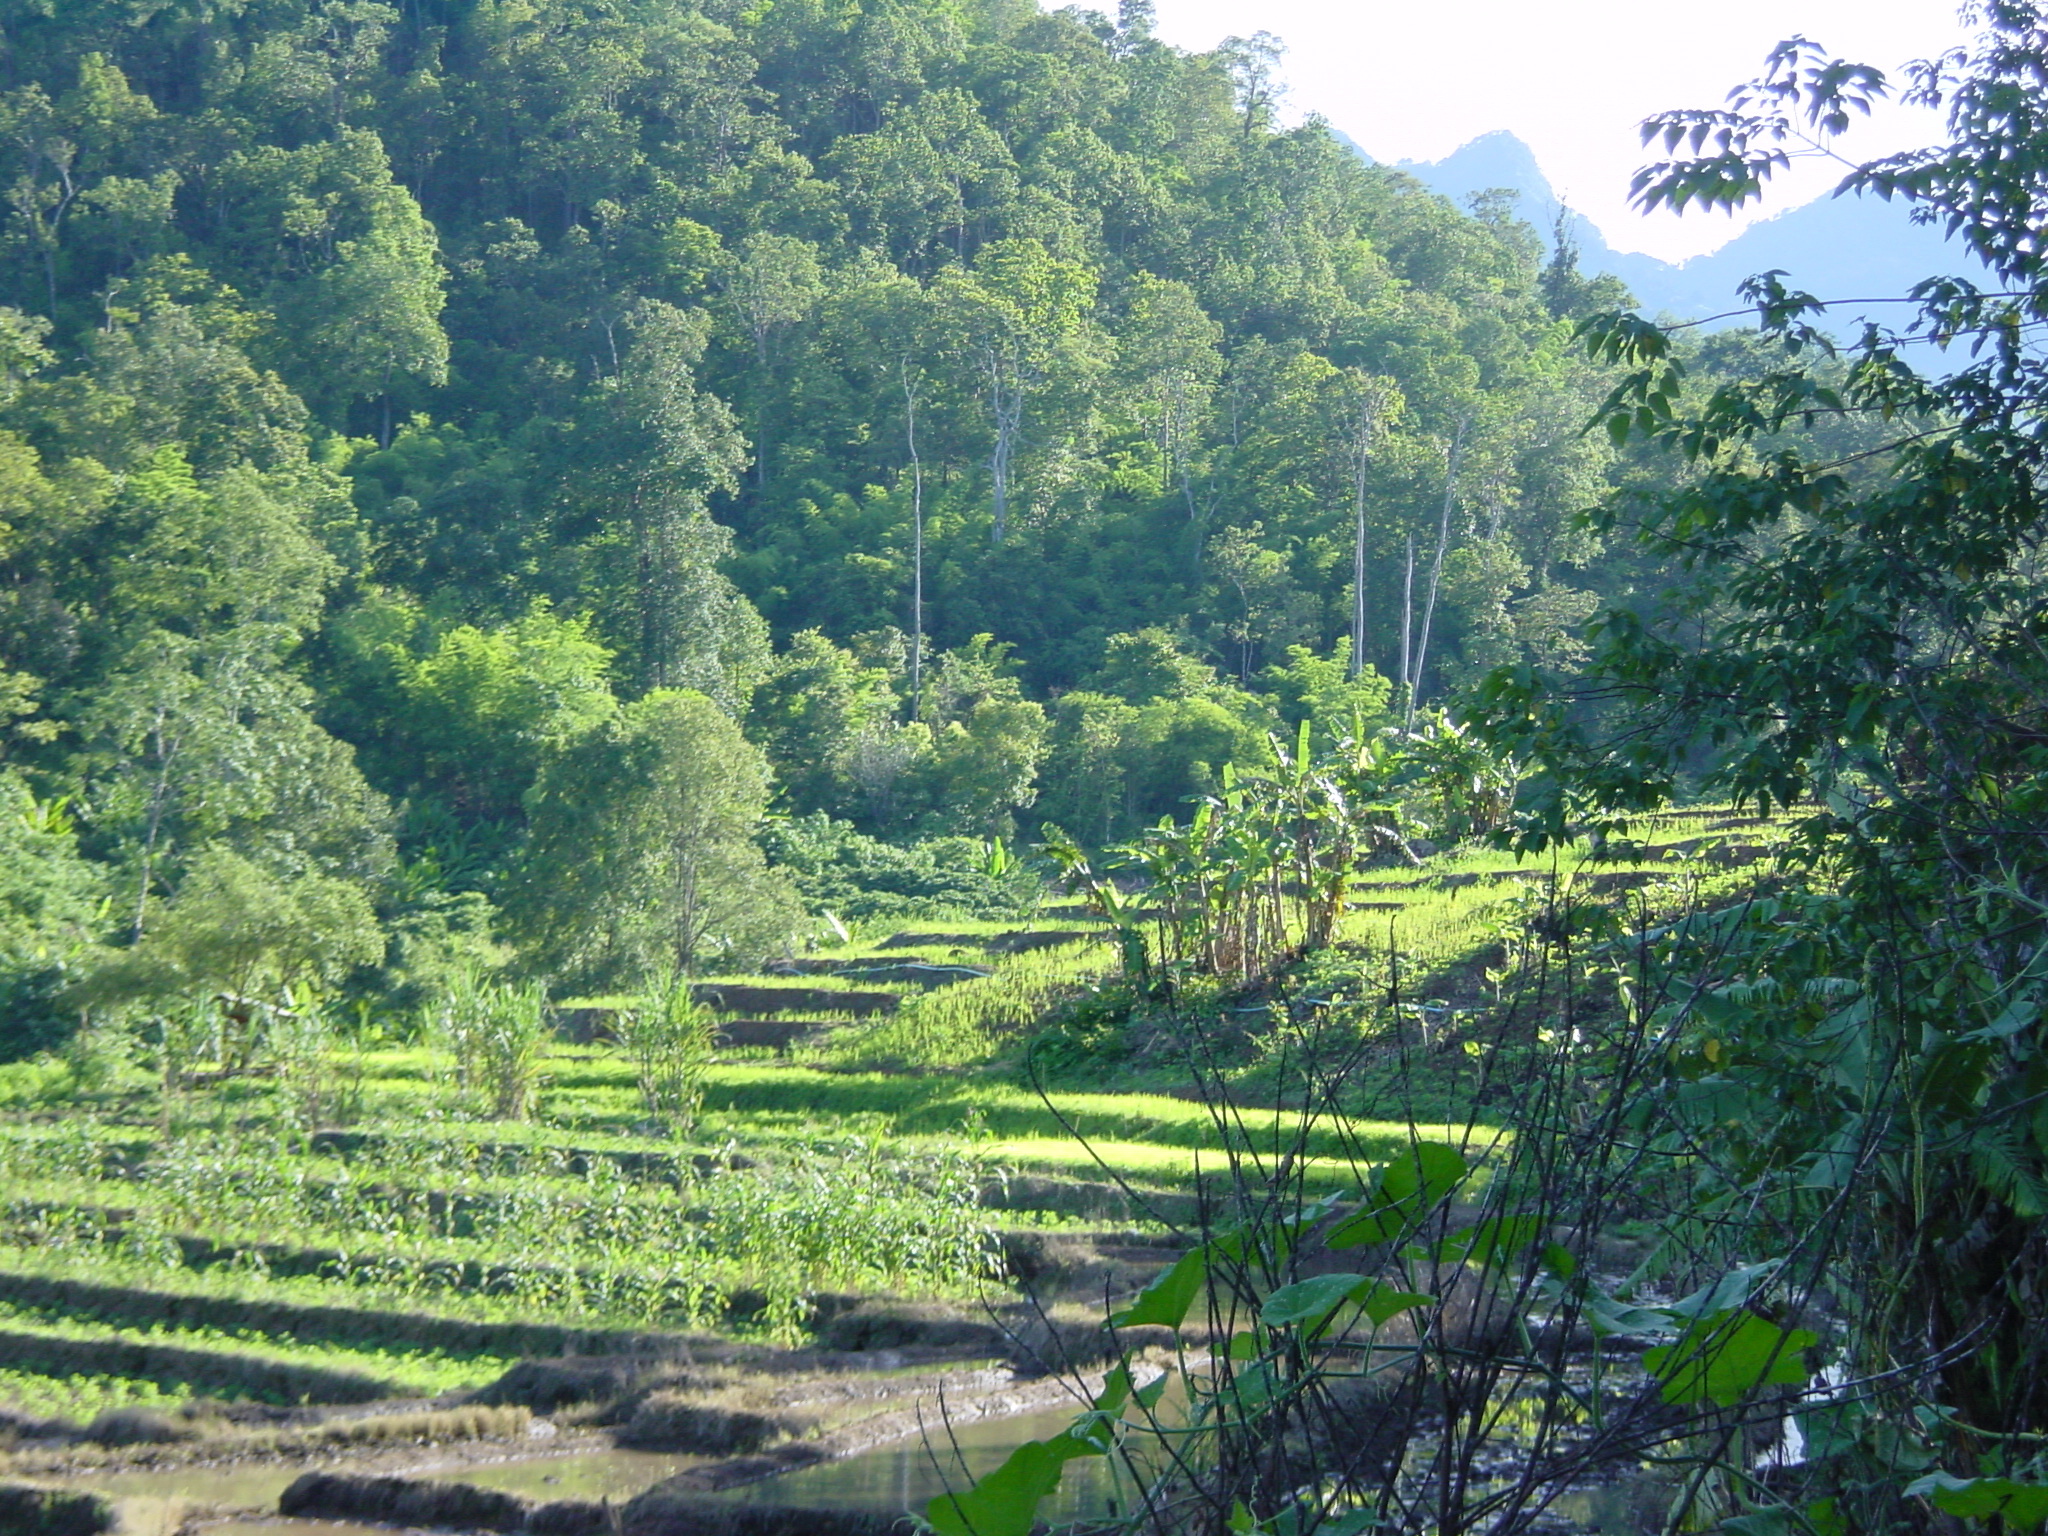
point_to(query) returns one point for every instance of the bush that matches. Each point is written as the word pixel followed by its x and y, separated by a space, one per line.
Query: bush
pixel 643 850
pixel 35 1011
pixel 498 1035
pixel 668 1036
pixel 841 871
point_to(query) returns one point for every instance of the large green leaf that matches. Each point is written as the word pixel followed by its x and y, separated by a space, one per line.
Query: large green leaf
pixel 1407 1189
pixel 1725 1293
pixel 1315 1299
pixel 1385 1301
pixel 1118 1389
pixel 1308 1301
pixel 1489 1241
pixel 1985 1498
pixel 1608 1317
pixel 1165 1302
pixel 1005 1503
pixel 1728 1357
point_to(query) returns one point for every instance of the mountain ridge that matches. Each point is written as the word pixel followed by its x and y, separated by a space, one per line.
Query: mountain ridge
pixel 1861 254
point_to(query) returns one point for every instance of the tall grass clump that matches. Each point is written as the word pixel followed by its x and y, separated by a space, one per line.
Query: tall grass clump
pixel 667 1034
pixel 498 1034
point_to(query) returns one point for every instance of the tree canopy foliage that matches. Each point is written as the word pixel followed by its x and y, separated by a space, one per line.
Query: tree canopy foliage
pixel 1857 1058
pixel 996 413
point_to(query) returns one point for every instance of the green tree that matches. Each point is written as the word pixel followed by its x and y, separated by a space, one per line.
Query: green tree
pixel 379 308
pixel 935 170
pixel 485 708
pixel 1327 692
pixel 1148 665
pixel 50 916
pixel 656 448
pixel 1171 352
pixel 643 850
pixel 1020 326
pixel 983 764
pixel 1876 1024
pixel 346 259
pixel 1088 792
pixel 772 283
pixel 811 713
pixel 259 940
pixel 201 732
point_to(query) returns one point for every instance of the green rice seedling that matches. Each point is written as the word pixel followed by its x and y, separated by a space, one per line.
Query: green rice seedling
pixel 668 1037
pixel 79 1399
pixel 236 1357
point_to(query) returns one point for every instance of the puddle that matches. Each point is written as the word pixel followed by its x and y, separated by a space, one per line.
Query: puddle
pixel 903 1476
pixel 1632 1508
pixel 237 1487
pixel 272 1526
pixel 162 1503
pixel 164 1499
pixel 896 1478
pixel 590 1475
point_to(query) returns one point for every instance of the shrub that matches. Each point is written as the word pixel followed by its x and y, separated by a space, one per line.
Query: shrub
pixel 668 1036
pixel 839 870
pixel 498 1035
pixel 35 1011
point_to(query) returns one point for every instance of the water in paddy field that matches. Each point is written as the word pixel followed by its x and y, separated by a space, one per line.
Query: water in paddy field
pixel 160 1503
pixel 904 1475
pixel 587 1475
pixel 895 1478
pixel 165 1499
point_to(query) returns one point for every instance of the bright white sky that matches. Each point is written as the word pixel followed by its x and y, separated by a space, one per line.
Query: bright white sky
pixel 1414 79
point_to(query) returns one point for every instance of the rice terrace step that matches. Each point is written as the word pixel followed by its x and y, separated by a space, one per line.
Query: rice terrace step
pixel 752 998
pixel 177 1290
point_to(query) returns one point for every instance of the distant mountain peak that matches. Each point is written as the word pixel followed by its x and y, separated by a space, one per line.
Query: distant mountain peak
pixel 1499 149
pixel 1846 248
pixel 1496 159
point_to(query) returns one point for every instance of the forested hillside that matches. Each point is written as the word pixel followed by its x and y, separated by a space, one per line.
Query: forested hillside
pixel 451 444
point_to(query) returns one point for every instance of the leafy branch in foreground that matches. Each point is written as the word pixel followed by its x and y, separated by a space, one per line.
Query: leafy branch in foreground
pixel 1864 640
pixel 1443 1347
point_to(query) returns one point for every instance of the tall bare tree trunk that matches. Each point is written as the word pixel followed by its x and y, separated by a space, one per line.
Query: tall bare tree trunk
pixel 1436 570
pixel 1361 456
pixel 1358 592
pixel 1006 405
pixel 159 801
pixel 916 547
pixel 1408 619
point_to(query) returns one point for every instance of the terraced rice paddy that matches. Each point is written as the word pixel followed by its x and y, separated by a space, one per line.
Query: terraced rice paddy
pixel 226 1269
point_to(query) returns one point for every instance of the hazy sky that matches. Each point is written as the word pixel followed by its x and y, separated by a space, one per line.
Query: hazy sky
pixel 1414 79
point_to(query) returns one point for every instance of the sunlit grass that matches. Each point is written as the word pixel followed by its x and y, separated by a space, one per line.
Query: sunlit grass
pixel 417 1372
pixel 1145 1165
pixel 968 1021
pixel 810 1205
pixel 81 1399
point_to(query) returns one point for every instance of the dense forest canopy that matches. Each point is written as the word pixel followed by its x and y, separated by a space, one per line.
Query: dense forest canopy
pixel 996 414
